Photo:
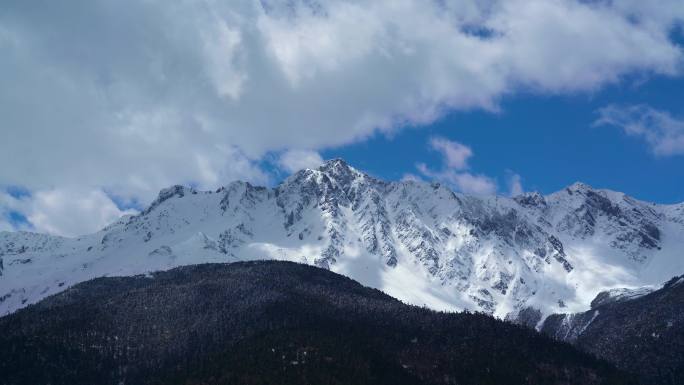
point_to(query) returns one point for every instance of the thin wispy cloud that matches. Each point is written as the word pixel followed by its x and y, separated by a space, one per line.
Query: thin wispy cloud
pixel 663 132
pixel 515 186
pixel 454 169
pixel 455 154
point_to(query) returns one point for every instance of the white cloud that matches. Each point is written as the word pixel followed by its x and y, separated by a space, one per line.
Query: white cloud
pixel 475 184
pixel 663 132
pixel 295 160
pixel 455 154
pixel 464 182
pixel 566 46
pixel 515 184
pixel 454 169
pixel 66 212
pixel 132 96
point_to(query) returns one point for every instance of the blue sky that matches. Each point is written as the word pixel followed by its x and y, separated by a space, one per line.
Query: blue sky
pixel 104 103
pixel 550 141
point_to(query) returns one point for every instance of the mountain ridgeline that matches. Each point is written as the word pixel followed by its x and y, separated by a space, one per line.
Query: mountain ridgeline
pixel 529 255
pixel 270 322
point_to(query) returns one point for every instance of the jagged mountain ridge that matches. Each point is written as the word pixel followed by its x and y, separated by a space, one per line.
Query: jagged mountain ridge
pixel 419 242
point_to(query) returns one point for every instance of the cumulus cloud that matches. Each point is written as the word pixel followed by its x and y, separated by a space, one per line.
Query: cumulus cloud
pixel 454 167
pixel 663 132
pixel 295 160
pixel 455 154
pixel 460 181
pixel 70 213
pixel 132 96
pixel 65 212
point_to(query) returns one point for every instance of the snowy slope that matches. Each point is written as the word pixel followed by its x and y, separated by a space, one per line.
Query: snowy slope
pixel 419 242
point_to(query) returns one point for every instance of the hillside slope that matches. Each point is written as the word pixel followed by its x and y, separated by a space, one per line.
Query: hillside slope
pixel 270 322
pixel 640 331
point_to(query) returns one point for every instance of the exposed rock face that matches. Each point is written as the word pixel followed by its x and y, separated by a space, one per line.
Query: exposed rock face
pixel 619 295
pixel 640 331
pixel 270 322
pixel 420 242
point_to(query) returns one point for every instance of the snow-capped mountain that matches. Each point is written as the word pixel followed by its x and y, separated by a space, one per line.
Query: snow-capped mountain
pixel 419 242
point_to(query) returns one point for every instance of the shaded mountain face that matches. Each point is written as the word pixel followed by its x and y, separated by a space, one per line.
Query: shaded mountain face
pixel 270 322
pixel 641 331
pixel 419 242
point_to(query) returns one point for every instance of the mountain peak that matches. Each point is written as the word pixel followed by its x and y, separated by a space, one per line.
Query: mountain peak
pixel 167 193
pixel 332 161
pixel 579 186
pixel 340 170
pixel 335 164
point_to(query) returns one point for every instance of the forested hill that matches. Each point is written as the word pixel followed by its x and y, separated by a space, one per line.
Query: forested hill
pixel 640 332
pixel 270 323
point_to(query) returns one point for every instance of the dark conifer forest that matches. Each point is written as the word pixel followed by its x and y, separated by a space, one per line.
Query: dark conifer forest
pixel 271 323
pixel 643 335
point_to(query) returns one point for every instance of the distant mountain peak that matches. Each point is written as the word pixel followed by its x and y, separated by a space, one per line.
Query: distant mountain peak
pixel 579 187
pixel 334 163
pixel 339 169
